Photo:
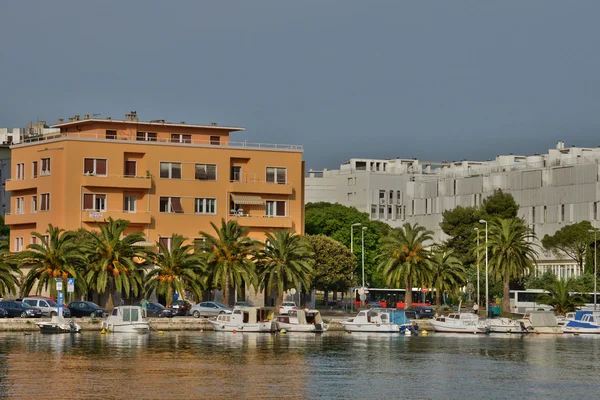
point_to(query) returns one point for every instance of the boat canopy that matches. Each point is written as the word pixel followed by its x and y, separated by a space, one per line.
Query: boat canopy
pixel 542 318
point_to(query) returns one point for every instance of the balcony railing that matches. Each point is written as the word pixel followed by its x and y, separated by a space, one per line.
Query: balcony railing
pixel 117 181
pixel 134 138
pixel 138 217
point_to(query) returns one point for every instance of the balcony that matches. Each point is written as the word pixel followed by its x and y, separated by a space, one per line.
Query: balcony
pixel 262 221
pixel 260 187
pixel 140 217
pixel 16 219
pixel 118 181
pixel 20 184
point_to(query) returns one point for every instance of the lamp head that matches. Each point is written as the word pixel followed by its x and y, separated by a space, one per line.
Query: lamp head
pixel 476 228
pixel 364 228
pixel 482 221
pixel 357 224
pixel 592 230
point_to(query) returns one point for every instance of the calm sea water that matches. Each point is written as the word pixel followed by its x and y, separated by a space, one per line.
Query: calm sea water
pixel 183 365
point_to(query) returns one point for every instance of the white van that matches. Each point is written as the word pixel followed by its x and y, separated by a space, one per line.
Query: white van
pixel 48 306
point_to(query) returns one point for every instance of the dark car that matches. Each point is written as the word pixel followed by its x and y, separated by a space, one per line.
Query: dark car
pixel 3 313
pixel 419 312
pixel 158 310
pixel 87 309
pixel 20 309
pixel 181 307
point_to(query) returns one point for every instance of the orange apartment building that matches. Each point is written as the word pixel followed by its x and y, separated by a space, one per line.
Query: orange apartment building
pixel 164 178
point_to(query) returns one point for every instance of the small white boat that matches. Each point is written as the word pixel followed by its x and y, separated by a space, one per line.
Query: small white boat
pixel 584 322
pixel 504 325
pixel 570 316
pixel 59 325
pixel 245 319
pixel 458 323
pixel 126 319
pixel 301 321
pixel 375 320
pixel 543 322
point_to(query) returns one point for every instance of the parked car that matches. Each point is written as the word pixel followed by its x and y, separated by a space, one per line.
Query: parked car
pixel 181 307
pixel 286 307
pixel 242 304
pixel 3 313
pixel 158 310
pixel 419 312
pixel 48 306
pixel 20 309
pixel 209 309
pixel 87 309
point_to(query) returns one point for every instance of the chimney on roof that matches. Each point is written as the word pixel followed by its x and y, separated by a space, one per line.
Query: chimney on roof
pixel 560 145
pixel 132 116
pixel 60 120
pixel 109 118
pixel 158 121
pixel 86 116
pixel 213 123
pixel 71 119
pixel 76 117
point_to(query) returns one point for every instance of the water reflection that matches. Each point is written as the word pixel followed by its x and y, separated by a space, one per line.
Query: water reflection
pixel 333 365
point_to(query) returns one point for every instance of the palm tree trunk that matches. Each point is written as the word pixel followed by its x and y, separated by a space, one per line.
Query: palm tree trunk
pixel 226 292
pixel 505 293
pixel 408 298
pixel 110 302
pixel 279 300
pixel 438 301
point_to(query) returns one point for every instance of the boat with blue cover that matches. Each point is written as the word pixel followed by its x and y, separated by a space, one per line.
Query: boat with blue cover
pixel 585 322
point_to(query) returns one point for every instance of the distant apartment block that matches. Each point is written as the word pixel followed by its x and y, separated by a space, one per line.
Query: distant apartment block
pixel 552 190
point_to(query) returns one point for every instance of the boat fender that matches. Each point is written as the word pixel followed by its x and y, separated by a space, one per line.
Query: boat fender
pixel 283 331
pixel 234 331
pixel 103 331
pixel 487 330
pixel 424 332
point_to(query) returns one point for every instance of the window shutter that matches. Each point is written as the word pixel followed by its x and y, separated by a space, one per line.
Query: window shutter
pixel 175 170
pixel 281 175
pixel 211 172
pixel 186 138
pixel 164 170
pixel 101 167
pixel 88 201
pixel 34 166
pixel 176 204
pixel 270 175
pixel 201 172
pixel 44 202
pixel 280 208
pixel 130 168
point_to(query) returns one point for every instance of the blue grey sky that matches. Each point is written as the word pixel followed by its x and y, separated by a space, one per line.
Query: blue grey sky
pixel 435 80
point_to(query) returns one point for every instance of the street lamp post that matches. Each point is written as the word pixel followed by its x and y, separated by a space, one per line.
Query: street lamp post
pixel 487 297
pixel 478 297
pixel 362 298
pixel 595 265
pixel 352 251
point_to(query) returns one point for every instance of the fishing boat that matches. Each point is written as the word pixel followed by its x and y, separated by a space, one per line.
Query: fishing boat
pixel 584 322
pixel 377 320
pixel 246 319
pixel 58 324
pixel 126 319
pixel 458 323
pixel 543 322
pixel 504 325
pixel 301 321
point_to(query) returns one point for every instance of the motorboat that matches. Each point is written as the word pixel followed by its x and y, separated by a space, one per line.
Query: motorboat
pixel 543 322
pixel 58 324
pixel 301 321
pixel 245 319
pixel 504 325
pixel 376 320
pixel 126 319
pixel 563 320
pixel 584 322
pixel 458 323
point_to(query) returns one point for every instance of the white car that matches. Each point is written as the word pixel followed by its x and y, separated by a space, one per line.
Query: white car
pixel 286 306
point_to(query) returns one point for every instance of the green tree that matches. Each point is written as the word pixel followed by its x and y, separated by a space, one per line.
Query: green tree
pixel 334 265
pixel 501 205
pixel 229 257
pixel 403 257
pixel 511 253
pixel 4 229
pixel 283 263
pixel 9 271
pixel 543 281
pixel 176 270
pixel 563 295
pixel 447 273
pixel 573 240
pixel 54 255
pixel 113 265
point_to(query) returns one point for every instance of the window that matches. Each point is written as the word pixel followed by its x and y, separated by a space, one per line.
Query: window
pixel 170 170
pixel 350 181
pixel 170 205
pixel 545 213
pixel 205 206
pixel 33 240
pixel 533 215
pixel 276 175
pixel 130 169
pixel 166 242
pixel 20 205
pixel 19 244
pixel 34 169
pixel 181 138
pixel 381 212
pixel 275 208
pixel 236 174
pixel 206 172
pixel 199 244
pixel 20 174
pixel 146 136
pixel 94 166
pixel 45 202
pixel 595 206
pixel 373 212
pixel 562 213
pixel 215 140
pixel 111 135
pixel 45 167
pixel 129 204
pixel 382 197
pixel 34 205
pixel 94 202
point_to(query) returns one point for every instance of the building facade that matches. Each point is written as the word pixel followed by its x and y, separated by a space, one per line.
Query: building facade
pixel 552 190
pixel 165 178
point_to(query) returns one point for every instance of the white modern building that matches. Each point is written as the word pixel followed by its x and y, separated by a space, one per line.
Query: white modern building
pixel 10 136
pixel 552 190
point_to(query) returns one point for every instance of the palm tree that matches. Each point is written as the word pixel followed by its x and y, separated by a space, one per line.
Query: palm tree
pixel 113 265
pixel 54 255
pixel 229 256
pixel 447 272
pixel 511 253
pixel 285 262
pixel 9 282
pixel 177 269
pixel 402 257
pixel 563 296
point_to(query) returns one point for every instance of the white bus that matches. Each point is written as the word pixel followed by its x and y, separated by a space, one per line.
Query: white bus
pixel 526 300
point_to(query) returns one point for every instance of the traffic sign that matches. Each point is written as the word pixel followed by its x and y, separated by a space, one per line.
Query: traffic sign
pixel 425 290
pixel 293 291
pixel 59 285
pixel 71 285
